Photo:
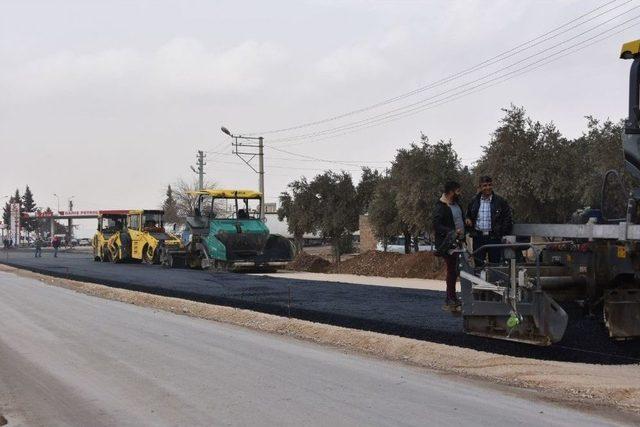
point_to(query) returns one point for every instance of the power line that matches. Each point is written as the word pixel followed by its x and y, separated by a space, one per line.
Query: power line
pixel 436 99
pixel 454 98
pixel 483 64
pixel 286 166
pixel 303 158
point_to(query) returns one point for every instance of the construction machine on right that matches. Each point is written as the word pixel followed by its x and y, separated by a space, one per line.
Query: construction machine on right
pixel 594 262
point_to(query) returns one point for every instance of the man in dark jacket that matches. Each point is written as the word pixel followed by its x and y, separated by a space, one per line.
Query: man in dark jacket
pixel 448 226
pixel 55 242
pixel 489 218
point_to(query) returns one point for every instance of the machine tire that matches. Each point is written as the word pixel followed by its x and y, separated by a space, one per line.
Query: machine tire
pixel 195 262
pixel 148 258
pixel 166 260
pixel 115 257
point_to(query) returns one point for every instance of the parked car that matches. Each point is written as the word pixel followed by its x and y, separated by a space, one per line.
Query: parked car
pixel 84 242
pixel 396 244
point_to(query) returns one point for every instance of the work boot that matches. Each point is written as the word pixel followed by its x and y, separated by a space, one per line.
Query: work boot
pixel 451 304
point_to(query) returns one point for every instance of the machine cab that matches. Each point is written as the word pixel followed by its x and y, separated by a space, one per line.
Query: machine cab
pixel 110 222
pixel 146 220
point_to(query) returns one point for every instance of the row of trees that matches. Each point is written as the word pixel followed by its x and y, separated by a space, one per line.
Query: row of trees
pixel 328 205
pixel 28 205
pixel 545 177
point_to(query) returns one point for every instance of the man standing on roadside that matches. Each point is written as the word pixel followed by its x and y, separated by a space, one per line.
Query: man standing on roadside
pixel 448 226
pixel 38 246
pixel 55 242
pixel 489 217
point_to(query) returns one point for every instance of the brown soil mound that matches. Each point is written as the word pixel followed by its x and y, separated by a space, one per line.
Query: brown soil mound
pixel 420 265
pixel 311 263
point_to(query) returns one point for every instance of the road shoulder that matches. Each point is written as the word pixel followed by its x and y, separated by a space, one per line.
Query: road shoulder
pixel 601 388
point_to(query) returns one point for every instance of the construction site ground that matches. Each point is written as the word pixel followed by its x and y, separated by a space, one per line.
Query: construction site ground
pixel 282 381
pixel 407 312
pixel 600 388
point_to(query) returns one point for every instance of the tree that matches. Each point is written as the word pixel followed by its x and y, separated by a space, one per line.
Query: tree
pixel 545 176
pixel 28 206
pixel 337 208
pixel 170 207
pixel 418 174
pixel 366 187
pixel 383 213
pixel 6 214
pixel 186 202
pixel 299 208
pixel 600 149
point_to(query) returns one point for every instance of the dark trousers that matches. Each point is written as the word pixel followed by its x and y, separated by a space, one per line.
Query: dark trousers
pixel 494 254
pixel 452 274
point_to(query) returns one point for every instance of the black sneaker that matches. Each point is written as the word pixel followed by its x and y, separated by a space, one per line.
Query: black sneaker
pixel 451 305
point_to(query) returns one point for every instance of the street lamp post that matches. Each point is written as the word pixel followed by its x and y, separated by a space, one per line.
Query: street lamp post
pixel 260 155
pixel 70 222
pixel 58 198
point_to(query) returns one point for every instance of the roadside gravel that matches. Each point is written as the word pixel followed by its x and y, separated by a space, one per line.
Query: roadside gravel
pixel 586 385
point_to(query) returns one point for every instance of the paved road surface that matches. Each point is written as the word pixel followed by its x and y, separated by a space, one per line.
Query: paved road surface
pixel 71 359
pixel 415 313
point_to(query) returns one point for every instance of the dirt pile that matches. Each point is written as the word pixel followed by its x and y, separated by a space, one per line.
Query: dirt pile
pixel 420 265
pixel 311 263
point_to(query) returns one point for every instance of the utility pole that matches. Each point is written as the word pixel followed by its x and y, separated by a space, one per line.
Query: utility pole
pixel 249 150
pixel 200 159
pixel 261 174
pixel 70 224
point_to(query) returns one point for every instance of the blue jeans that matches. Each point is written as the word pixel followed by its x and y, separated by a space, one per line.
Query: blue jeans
pixel 38 252
pixel 55 252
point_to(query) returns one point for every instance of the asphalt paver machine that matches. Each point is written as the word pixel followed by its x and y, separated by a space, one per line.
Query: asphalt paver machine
pixel 594 263
pixel 227 234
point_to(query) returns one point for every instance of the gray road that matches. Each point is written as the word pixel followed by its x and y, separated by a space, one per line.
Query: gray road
pixel 413 313
pixel 71 359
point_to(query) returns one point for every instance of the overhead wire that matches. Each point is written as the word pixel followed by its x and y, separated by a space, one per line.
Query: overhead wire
pixel 437 99
pixel 483 64
pixel 491 77
pixel 454 98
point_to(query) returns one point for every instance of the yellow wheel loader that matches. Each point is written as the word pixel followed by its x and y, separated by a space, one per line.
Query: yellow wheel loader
pixel 144 239
pixel 109 223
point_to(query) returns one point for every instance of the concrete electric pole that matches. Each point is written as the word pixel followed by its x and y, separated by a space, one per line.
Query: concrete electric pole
pixel 200 171
pixel 70 224
pixel 249 150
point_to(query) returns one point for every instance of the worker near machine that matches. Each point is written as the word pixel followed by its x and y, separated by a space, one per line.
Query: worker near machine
pixel 448 226
pixel 38 245
pixel 488 219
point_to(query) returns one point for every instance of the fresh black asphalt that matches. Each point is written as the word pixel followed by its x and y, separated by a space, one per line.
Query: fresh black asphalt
pixel 406 312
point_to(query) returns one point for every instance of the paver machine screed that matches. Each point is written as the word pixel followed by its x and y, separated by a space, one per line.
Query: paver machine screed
pixel 226 234
pixel 593 262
